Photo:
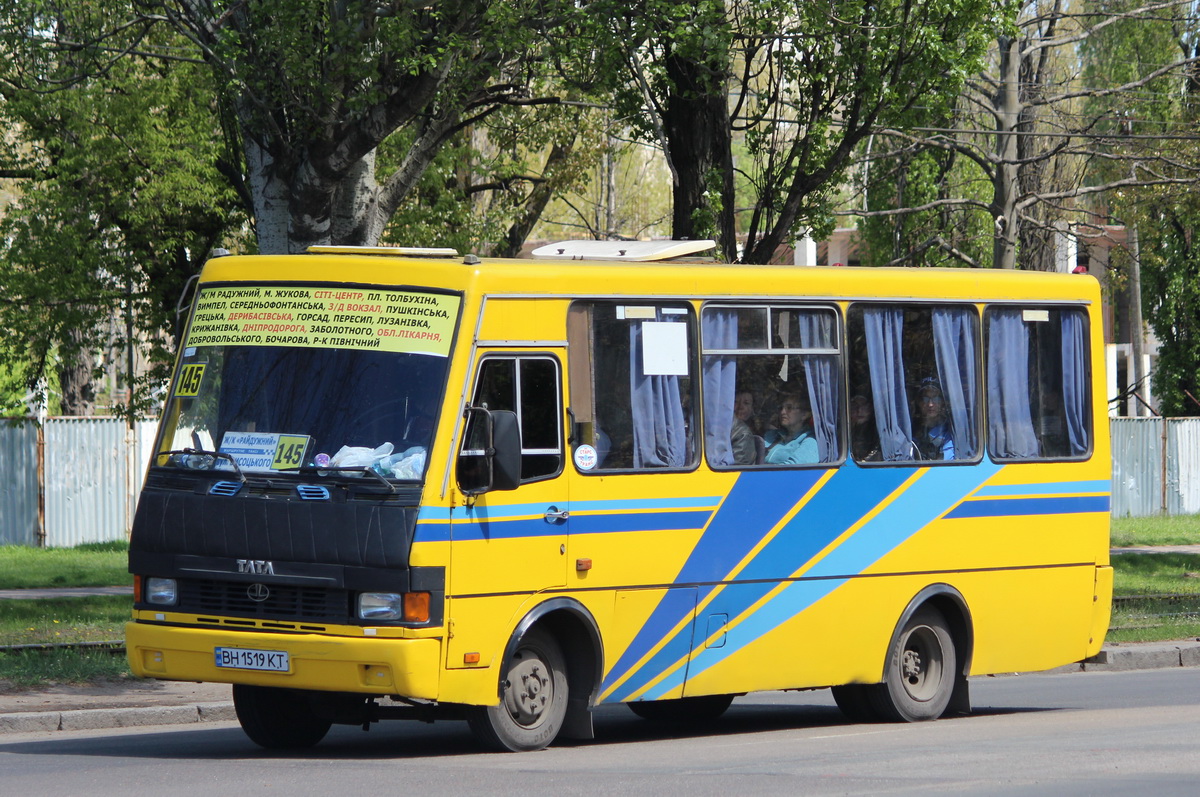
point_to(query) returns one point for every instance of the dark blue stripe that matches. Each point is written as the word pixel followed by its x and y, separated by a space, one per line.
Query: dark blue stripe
pixel 641 521
pixel 1005 507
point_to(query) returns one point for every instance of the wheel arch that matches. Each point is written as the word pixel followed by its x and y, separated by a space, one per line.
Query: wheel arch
pixel 577 633
pixel 953 607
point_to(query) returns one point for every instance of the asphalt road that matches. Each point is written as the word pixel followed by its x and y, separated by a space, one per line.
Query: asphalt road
pixel 1062 734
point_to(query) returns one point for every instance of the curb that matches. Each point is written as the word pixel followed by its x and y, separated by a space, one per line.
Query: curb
pixel 90 719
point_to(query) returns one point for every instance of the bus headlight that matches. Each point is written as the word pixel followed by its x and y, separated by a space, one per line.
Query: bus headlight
pixel 380 605
pixel 411 607
pixel 161 591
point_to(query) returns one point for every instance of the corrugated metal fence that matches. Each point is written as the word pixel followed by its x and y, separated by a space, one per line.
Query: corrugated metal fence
pixel 76 480
pixel 70 481
pixel 1156 466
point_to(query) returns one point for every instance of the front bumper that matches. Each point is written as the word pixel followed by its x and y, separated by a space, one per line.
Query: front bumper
pixel 384 666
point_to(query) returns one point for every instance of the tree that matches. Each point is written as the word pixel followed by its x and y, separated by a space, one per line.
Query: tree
pixel 799 85
pixel 121 200
pixel 1038 133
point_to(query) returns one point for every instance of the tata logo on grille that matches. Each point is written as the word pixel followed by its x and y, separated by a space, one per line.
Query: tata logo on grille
pixel 259 567
pixel 258 592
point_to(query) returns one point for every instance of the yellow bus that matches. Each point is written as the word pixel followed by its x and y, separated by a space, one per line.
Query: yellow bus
pixel 400 483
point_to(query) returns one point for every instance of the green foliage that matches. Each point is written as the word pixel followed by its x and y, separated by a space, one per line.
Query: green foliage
pixel 1171 294
pixel 124 199
pixel 940 236
pixel 95 565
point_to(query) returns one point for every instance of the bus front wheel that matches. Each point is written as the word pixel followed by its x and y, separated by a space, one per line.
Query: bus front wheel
pixel 533 698
pixel 277 719
pixel 919 679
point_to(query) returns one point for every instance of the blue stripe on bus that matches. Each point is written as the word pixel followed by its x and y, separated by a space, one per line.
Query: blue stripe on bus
pixel 1014 507
pixel 920 504
pixel 514 520
pixel 757 502
pixel 508 529
pixel 1056 488
pixel 841 503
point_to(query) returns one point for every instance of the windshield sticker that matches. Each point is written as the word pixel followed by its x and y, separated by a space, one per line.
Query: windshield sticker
pixel 328 318
pixel 190 379
pixel 263 450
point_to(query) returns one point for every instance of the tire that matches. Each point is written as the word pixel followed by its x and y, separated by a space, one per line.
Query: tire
pixel 919 679
pixel 855 702
pixel 533 698
pixel 278 719
pixel 684 709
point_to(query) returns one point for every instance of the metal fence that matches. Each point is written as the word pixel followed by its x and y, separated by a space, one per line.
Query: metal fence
pixel 70 480
pixel 1156 466
pixel 76 480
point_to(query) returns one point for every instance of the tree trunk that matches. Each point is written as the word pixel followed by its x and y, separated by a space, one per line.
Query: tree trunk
pixel 75 377
pixel 1006 181
pixel 696 122
pixel 270 199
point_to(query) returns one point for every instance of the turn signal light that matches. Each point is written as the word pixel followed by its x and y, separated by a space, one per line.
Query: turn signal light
pixel 416 607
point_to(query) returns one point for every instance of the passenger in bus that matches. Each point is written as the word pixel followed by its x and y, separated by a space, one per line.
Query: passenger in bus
pixel 741 436
pixel 934 440
pixel 864 436
pixel 793 444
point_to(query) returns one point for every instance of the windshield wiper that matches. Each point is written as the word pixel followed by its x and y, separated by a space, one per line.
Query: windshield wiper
pixel 199 452
pixel 322 469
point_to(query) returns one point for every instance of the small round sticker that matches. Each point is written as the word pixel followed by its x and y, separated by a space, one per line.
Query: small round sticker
pixel 585 457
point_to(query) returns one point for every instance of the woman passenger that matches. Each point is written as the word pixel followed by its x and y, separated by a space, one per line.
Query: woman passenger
pixel 794 444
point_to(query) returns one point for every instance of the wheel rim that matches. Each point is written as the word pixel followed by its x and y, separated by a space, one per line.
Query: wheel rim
pixel 529 691
pixel 921 664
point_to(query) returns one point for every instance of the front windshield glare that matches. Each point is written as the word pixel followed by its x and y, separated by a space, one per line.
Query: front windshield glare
pixel 280 409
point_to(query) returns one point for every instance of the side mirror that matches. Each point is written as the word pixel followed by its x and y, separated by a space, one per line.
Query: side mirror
pixel 491 457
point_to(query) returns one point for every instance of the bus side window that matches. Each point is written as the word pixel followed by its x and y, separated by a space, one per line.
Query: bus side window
pixel 632 395
pixel 914 383
pixel 759 360
pixel 529 386
pixel 1038 383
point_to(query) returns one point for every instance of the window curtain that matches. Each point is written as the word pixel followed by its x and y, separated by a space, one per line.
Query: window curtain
pixel 1074 392
pixel 817 332
pixel 659 426
pixel 884 328
pixel 1010 423
pixel 954 351
pixel 720 331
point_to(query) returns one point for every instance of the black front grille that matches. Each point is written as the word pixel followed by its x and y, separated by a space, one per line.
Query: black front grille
pixel 265 601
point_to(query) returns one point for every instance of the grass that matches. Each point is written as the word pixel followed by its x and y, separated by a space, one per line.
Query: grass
pixel 1163 530
pixel 102 564
pixel 58 620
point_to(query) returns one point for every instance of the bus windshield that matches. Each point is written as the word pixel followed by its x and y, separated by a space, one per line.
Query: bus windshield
pixel 365 398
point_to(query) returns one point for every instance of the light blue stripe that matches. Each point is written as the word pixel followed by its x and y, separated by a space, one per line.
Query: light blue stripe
pixel 912 510
pixel 503 511
pixel 1055 488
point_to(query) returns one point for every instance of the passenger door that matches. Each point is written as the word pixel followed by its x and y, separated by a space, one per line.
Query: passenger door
pixel 514 541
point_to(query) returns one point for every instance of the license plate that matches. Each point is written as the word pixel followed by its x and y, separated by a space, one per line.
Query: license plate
pixel 247 659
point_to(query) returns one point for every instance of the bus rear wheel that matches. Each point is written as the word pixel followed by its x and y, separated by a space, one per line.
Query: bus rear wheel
pixel 919 679
pixel 277 719
pixel 705 708
pixel 533 698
